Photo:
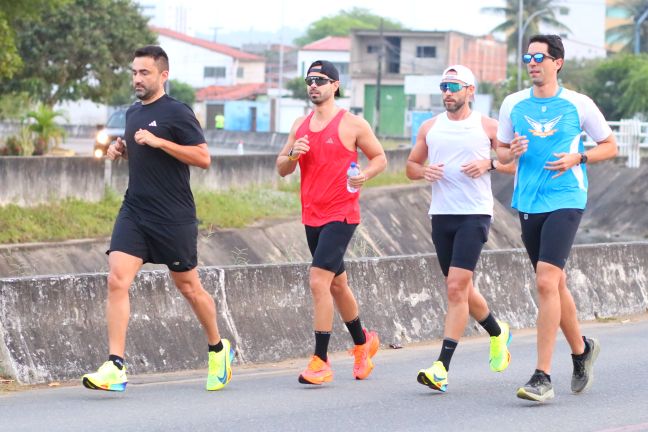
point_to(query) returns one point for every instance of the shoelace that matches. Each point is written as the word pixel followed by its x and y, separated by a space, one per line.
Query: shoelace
pixel 359 353
pixel 536 380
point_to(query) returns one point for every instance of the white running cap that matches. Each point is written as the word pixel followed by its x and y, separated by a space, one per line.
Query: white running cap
pixel 462 74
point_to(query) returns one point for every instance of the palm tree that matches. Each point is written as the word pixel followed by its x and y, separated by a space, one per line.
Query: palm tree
pixel 622 35
pixel 511 19
pixel 45 127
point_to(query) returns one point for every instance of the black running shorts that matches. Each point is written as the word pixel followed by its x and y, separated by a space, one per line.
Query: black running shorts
pixel 548 237
pixel 459 239
pixel 172 245
pixel 328 244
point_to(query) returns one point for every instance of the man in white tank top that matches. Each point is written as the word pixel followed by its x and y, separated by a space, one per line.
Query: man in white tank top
pixel 457 145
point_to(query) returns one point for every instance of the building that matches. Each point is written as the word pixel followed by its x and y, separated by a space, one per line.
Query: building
pixel 616 15
pixel 335 49
pixel 230 79
pixel 275 68
pixel 423 54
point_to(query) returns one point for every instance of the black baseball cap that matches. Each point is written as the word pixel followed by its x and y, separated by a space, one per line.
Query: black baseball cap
pixel 326 68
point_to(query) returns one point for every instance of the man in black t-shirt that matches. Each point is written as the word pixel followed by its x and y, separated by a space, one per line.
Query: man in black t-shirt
pixel 157 221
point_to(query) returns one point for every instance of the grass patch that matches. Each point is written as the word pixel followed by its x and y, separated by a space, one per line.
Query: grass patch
pixel 236 208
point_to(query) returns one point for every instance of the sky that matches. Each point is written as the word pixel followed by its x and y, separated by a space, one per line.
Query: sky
pixel 272 15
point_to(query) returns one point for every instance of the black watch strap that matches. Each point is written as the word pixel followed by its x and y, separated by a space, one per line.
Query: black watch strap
pixel 583 158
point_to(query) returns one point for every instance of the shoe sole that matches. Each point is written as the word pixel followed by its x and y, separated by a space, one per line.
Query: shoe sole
pixel 590 370
pixel 304 380
pixel 508 342
pixel 114 387
pixel 423 379
pixel 523 394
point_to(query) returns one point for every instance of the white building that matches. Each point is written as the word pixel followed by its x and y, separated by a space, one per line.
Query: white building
pixel 202 63
pixel 335 49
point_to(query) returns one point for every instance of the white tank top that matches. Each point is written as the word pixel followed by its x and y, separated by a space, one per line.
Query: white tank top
pixel 454 143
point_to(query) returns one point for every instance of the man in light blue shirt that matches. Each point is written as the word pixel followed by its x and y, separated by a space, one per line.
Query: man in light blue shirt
pixel 541 127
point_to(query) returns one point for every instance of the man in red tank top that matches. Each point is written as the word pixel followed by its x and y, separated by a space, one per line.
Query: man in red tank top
pixel 324 144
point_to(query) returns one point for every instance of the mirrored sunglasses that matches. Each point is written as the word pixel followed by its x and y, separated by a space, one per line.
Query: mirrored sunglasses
pixel 319 81
pixel 537 57
pixel 452 86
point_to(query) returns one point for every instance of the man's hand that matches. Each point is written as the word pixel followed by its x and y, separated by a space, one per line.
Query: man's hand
pixel 476 168
pixel 565 161
pixel 144 137
pixel 116 149
pixel 433 172
pixel 299 148
pixel 519 145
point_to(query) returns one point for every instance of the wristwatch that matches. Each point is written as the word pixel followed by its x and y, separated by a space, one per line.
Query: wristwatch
pixel 492 167
pixel 583 159
pixel 291 157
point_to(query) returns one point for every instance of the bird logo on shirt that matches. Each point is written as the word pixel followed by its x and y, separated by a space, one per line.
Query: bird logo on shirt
pixel 543 130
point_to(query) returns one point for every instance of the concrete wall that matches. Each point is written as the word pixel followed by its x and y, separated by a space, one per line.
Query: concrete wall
pixel 53 328
pixel 28 181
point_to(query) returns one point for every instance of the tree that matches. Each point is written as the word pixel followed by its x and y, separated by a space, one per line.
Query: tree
pixel 298 88
pixel 10 11
pixel 623 34
pixel 343 22
pixel 510 25
pixel 182 92
pixel 619 86
pixel 80 51
pixel 45 127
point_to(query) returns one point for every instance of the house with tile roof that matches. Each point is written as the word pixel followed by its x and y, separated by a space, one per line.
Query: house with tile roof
pixel 335 49
pixel 228 80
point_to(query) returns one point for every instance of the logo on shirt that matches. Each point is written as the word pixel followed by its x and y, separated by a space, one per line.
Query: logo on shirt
pixel 153 123
pixel 329 141
pixel 543 129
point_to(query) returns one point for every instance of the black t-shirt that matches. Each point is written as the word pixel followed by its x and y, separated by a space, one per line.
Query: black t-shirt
pixel 158 184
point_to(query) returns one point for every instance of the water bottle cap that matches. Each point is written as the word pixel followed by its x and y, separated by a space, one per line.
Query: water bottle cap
pixel 353 165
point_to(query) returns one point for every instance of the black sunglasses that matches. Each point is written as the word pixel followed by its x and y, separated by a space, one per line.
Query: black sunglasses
pixel 319 81
pixel 537 57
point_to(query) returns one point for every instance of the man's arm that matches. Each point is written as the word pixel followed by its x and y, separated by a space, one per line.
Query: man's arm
pixel 287 162
pixel 416 168
pixel 605 149
pixel 366 140
pixel 195 155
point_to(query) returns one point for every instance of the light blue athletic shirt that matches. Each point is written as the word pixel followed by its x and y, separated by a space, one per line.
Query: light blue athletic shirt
pixel 552 125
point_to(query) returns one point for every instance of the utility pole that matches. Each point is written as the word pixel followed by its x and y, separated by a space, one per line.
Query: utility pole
pixel 381 53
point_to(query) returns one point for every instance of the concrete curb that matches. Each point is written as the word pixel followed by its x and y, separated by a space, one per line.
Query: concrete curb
pixel 52 328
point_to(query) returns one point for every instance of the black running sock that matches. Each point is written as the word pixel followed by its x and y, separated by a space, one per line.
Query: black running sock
pixel 491 325
pixel 321 344
pixel 216 348
pixel 538 371
pixel 447 349
pixel 117 361
pixel 355 328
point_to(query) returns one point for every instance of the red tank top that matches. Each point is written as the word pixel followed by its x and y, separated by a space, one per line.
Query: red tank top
pixel 324 193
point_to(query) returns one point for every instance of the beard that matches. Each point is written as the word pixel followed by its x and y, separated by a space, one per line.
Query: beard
pixel 143 93
pixel 453 107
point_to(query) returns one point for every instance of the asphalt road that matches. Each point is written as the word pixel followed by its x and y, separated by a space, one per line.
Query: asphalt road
pixel 269 398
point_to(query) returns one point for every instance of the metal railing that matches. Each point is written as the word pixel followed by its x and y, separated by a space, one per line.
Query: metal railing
pixel 631 136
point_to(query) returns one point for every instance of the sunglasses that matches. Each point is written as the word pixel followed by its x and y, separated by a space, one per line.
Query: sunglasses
pixel 537 57
pixel 319 81
pixel 452 86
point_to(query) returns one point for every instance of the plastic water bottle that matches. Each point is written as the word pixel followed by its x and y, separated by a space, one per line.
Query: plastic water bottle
pixel 352 172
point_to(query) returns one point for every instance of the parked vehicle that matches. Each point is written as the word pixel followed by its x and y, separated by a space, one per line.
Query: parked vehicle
pixel 114 128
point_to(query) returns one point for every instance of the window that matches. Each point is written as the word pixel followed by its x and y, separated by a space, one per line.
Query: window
pixel 214 72
pixel 373 49
pixel 239 72
pixel 426 51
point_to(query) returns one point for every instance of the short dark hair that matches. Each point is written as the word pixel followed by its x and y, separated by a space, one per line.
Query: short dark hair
pixel 554 43
pixel 157 54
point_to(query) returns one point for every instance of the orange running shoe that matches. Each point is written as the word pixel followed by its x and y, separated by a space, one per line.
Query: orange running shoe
pixel 317 372
pixel 362 365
